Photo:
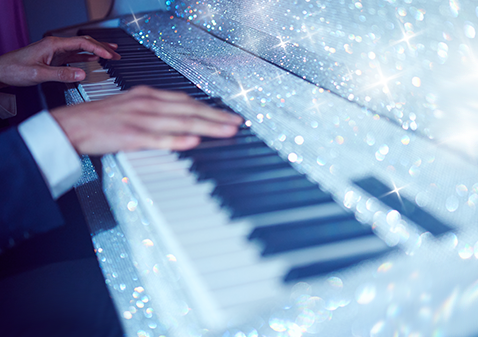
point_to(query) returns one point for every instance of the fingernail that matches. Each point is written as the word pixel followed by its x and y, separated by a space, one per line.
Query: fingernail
pixel 78 75
pixel 236 118
pixel 228 129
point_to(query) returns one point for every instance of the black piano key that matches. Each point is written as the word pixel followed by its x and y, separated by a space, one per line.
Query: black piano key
pixel 235 163
pixel 187 88
pixel 130 48
pixel 129 58
pixel 133 55
pixel 231 142
pixel 133 64
pixel 276 239
pixel 225 154
pixel 278 201
pixel 171 81
pixel 123 76
pixel 230 174
pixel 404 206
pixel 266 174
pixel 240 133
pixel 221 145
pixel 322 218
pixel 326 267
pixel 146 74
pixel 263 187
pixel 119 68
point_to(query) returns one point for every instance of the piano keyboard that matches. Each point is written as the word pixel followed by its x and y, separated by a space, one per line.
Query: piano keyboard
pixel 246 223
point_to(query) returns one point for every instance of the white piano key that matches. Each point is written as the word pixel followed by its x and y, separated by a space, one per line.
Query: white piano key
pixel 167 166
pixel 146 154
pixel 193 212
pixel 196 200
pixel 165 177
pixel 234 277
pixel 103 91
pixel 185 225
pixel 249 292
pixel 219 262
pixel 174 179
pixel 182 191
pixel 198 251
pixel 153 160
pixel 97 80
pixel 215 233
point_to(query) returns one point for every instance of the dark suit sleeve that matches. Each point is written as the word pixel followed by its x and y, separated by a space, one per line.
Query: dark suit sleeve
pixel 26 205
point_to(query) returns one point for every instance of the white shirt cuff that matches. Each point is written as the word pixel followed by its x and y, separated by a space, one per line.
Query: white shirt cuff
pixel 58 161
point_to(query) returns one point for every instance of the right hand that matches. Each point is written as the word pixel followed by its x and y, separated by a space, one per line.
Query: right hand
pixel 143 118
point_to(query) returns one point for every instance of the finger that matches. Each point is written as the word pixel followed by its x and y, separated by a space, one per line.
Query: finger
pixel 179 103
pixel 60 74
pixel 171 142
pixel 160 94
pixel 82 58
pixel 182 125
pixel 197 110
pixel 113 46
pixel 86 43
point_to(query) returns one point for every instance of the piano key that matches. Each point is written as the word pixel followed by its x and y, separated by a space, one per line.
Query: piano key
pixel 232 260
pixel 324 216
pixel 323 210
pixel 393 199
pixel 275 202
pixel 173 81
pixel 226 153
pixel 235 163
pixel 262 187
pixel 181 192
pixel 276 239
pixel 121 79
pixel 244 275
pixel 325 267
pixel 117 69
pixel 252 292
pixel 265 174
pixel 216 233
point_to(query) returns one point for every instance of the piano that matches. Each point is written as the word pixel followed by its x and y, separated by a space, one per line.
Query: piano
pixel 345 205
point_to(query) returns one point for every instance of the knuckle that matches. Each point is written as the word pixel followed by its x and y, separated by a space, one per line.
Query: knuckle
pixel 34 74
pixel 50 40
pixel 140 89
pixel 63 74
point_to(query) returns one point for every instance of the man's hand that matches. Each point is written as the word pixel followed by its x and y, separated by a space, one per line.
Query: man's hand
pixel 43 61
pixel 142 118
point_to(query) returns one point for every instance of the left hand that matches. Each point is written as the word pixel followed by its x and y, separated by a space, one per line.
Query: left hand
pixel 44 60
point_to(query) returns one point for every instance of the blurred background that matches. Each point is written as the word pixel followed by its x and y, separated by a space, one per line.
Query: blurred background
pixel 25 21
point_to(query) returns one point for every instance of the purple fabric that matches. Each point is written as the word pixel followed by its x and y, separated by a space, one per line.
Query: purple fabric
pixel 13 27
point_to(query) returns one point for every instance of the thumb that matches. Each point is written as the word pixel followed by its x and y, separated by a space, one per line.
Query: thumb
pixel 61 74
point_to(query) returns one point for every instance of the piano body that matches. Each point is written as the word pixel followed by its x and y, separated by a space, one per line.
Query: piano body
pixel 346 205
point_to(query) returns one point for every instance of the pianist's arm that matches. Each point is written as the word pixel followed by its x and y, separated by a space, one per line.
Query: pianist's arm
pixel 39 160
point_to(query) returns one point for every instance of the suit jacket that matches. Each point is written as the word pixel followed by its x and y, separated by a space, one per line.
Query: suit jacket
pixel 26 205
